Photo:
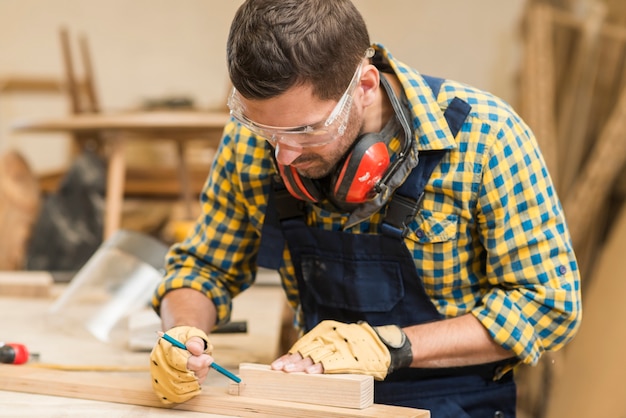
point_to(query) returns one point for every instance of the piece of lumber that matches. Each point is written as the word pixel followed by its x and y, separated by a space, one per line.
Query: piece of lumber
pixel 538 92
pixel 154 182
pixel 135 389
pixel 574 106
pixel 341 390
pixel 609 83
pixel 26 284
pixel 603 168
pixel 609 30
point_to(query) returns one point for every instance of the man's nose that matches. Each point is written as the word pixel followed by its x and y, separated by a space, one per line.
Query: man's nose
pixel 286 154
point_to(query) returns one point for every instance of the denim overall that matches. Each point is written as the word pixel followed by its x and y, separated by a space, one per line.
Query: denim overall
pixel 362 277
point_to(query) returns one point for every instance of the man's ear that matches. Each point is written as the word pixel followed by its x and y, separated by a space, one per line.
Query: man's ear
pixel 370 83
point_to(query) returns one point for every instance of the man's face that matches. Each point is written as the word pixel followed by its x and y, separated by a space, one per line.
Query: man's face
pixel 310 134
pixel 299 107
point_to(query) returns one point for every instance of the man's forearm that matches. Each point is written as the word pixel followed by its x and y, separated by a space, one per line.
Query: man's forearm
pixel 188 307
pixel 453 342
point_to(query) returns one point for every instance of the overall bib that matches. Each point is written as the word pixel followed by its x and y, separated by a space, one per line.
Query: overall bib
pixel 364 277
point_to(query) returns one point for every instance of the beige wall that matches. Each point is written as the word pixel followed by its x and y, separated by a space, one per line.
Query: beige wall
pixel 152 48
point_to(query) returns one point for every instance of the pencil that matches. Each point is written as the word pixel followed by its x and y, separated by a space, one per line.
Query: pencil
pixel 216 366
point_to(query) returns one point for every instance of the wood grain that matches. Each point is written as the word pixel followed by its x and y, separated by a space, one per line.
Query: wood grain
pixel 341 390
pixel 136 390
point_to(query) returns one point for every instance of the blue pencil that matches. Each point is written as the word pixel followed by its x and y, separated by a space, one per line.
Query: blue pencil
pixel 216 366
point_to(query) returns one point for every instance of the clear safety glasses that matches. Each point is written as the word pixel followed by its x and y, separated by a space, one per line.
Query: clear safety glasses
pixel 320 133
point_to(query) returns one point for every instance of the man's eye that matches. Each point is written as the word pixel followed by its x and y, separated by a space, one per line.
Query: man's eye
pixel 318 132
pixel 301 130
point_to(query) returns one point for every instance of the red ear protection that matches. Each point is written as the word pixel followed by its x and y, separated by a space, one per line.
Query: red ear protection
pixel 302 188
pixel 354 179
pixel 361 171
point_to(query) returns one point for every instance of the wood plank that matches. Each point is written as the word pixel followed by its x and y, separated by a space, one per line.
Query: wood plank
pixel 71 86
pixel 186 125
pixel 341 390
pixel 27 405
pixel 135 389
pixel 605 163
pixel 26 284
pixel 574 107
pixel 116 173
pixel 157 182
pixel 538 83
pixel 30 84
pixel 608 30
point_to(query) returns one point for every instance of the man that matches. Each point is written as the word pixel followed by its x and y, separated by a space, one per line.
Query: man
pixel 412 220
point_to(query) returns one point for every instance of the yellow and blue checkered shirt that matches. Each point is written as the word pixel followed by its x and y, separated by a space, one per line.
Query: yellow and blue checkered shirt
pixel 490 237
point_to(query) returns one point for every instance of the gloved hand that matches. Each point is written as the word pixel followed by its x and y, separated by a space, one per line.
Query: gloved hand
pixel 356 348
pixel 171 380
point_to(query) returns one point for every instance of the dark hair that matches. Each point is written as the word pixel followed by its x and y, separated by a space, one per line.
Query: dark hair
pixel 276 44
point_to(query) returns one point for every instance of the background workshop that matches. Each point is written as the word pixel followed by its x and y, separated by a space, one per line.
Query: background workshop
pixel 110 113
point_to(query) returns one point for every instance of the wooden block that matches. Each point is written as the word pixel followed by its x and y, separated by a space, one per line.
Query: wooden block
pixel 26 284
pixel 341 390
pixel 135 389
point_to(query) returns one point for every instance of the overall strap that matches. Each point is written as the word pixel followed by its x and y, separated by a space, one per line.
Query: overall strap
pixel 281 206
pixel 408 197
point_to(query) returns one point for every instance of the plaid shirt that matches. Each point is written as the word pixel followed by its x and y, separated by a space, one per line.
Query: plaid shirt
pixel 490 238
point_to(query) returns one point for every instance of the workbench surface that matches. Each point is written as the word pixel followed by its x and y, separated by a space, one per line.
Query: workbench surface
pixel 26 321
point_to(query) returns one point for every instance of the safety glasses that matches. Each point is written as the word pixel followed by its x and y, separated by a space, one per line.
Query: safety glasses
pixel 320 133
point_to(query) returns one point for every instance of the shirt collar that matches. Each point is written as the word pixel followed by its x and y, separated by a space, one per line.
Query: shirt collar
pixel 430 126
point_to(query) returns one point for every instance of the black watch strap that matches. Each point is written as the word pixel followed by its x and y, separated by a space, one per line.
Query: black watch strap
pixel 398 344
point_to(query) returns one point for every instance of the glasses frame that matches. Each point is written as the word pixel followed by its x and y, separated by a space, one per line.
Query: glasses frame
pixel 317 134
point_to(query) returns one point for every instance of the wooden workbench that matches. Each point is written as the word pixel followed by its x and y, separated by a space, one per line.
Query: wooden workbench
pixel 25 321
pixel 96 379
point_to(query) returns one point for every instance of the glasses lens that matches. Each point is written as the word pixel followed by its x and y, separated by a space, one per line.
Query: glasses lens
pixel 313 138
pixel 303 136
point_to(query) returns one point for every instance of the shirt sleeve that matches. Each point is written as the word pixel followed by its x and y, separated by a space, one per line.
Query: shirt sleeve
pixel 218 257
pixel 534 302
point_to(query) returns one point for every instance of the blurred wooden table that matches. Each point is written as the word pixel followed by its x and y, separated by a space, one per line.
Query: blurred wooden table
pixel 117 128
pixel 62 341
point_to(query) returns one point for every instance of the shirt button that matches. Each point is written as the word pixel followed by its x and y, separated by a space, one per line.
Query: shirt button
pixel 419 233
pixel 498 414
pixel 562 269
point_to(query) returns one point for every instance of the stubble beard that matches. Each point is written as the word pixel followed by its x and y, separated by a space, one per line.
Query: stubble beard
pixel 334 152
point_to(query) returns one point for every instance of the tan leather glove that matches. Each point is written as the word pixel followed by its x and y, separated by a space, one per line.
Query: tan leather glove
pixel 356 348
pixel 171 380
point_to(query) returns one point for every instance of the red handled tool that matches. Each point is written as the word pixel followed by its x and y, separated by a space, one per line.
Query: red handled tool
pixel 13 353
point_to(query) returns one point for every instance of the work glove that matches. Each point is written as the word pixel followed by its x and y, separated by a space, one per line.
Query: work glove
pixel 171 380
pixel 356 348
